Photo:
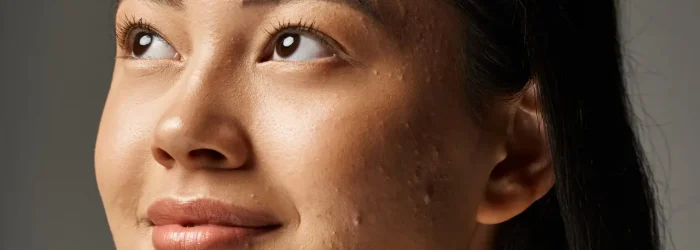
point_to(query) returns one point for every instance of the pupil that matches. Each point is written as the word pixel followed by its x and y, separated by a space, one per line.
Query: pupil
pixel 142 42
pixel 287 45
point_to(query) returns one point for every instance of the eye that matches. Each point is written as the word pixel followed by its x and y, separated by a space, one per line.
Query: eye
pixel 148 45
pixel 299 47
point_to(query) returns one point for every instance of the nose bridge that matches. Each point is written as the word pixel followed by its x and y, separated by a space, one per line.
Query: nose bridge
pixel 198 128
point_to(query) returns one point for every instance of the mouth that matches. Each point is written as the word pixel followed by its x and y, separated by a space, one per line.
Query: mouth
pixel 205 224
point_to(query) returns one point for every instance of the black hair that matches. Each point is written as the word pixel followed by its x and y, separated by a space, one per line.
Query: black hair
pixel 603 197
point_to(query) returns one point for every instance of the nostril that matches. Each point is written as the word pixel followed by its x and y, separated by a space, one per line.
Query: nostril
pixel 163 157
pixel 208 154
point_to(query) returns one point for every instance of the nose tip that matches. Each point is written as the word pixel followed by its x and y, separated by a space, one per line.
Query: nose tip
pixel 199 145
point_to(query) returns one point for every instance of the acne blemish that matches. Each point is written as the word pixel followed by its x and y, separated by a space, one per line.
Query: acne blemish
pixel 435 154
pixel 357 220
pixel 429 192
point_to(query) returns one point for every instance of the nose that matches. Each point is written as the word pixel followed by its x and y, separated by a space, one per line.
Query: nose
pixel 199 135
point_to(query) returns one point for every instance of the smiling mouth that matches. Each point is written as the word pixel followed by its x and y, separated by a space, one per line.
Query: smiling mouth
pixel 205 224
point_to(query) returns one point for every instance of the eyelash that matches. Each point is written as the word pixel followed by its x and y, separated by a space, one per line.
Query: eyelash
pixel 280 28
pixel 300 27
pixel 124 29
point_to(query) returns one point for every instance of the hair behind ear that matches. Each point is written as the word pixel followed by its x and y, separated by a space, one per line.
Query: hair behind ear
pixel 603 197
pixel 603 189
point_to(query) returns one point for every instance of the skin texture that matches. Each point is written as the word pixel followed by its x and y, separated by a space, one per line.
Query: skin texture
pixel 373 148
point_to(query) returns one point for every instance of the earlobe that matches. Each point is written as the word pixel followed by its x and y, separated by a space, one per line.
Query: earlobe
pixel 526 173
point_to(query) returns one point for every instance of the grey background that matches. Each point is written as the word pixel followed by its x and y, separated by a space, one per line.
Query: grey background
pixel 55 67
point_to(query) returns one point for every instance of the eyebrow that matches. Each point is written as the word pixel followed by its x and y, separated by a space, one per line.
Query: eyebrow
pixel 176 4
pixel 366 7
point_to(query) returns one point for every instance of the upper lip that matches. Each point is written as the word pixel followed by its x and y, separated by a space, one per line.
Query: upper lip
pixel 206 212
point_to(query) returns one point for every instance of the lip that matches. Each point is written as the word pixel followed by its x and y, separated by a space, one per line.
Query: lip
pixel 205 224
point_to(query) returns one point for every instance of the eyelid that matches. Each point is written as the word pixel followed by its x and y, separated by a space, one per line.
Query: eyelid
pixel 130 50
pixel 125 32
pixel 302 28
pixel 320 36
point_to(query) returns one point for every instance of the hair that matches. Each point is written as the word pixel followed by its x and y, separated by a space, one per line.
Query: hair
pixel 603 197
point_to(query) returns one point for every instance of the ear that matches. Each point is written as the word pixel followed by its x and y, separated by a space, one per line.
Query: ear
pixel 525 173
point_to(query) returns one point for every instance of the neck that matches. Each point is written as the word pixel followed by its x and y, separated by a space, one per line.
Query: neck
pixel 482 238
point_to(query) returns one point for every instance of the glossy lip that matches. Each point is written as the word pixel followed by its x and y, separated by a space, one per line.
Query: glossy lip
pixel 205 224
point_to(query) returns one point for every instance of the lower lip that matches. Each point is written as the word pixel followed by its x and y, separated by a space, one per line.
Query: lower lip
pixel 201 237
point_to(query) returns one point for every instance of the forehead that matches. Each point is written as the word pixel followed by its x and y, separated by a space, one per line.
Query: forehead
pixel 384 9
pixel 398 17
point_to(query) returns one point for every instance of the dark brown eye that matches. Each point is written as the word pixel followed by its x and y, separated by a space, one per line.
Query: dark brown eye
pixel 287 45
pixel 142 42
pixel 297 47
pixel 148 45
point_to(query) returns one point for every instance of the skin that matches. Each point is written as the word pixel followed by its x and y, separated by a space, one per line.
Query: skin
pixel 373 148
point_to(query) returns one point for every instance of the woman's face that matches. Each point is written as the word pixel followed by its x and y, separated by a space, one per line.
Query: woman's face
pixel 275 124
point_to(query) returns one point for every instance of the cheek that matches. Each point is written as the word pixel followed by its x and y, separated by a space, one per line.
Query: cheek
pixel 122 150
pixel 378 161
